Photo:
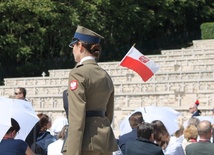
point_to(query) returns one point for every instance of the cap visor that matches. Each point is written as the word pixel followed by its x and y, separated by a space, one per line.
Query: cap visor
pixel 71 45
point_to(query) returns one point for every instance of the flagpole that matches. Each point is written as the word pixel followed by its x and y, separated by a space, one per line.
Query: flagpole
pixel 128 52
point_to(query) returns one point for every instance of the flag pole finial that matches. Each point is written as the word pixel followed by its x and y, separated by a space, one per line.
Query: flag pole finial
pixel 134 44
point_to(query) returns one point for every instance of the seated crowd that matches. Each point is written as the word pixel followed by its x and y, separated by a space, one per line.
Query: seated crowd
pixel 40 141
pixel 44 138
pixel 154 139
pixel 192 138
pixel 144 139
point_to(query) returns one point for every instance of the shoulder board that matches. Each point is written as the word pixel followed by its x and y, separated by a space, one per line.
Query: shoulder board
pixel 79 65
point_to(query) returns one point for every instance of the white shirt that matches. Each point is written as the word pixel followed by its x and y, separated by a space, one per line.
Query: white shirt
pixel 55 147
pixel 174 148
pixel 87 58
pixel 58 124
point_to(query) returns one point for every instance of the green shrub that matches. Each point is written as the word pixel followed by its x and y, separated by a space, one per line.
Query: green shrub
pixel 207 30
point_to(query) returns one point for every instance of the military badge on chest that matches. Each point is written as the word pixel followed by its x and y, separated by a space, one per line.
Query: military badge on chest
pixel 73 85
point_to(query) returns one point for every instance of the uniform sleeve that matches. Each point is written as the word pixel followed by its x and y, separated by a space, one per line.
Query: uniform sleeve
pixel 110 108
pixel 77 106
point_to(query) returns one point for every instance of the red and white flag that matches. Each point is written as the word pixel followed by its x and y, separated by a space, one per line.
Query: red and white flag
pixel 139 63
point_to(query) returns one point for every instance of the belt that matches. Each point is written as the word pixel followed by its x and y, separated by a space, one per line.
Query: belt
pixel 95 113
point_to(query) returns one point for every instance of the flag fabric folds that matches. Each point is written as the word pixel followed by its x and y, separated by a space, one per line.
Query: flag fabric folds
pixel 139 63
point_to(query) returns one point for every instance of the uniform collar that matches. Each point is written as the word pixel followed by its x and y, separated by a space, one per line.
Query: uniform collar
pixel 86 58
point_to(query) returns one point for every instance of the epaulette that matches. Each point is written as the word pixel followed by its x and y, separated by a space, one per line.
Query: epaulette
pixel 79 65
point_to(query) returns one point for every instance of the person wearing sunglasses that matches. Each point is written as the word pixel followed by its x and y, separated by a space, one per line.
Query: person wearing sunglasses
pixel 20 93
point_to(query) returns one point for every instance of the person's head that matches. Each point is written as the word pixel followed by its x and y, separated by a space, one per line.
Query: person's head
pixel 193 108
pixel 44 122
pixel 190 132
pixel 135 119
pixel 145 130
pixel 14 129
pixel 85 43
pixel 204 129
pixel 62 133
pixel 161 135
pixel 180 131
pixel 193 121
pixel 20 93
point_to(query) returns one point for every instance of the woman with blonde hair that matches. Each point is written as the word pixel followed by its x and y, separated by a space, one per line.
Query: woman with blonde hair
pixel 190 135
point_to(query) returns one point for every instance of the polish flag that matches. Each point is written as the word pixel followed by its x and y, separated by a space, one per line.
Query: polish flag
pixel 139 63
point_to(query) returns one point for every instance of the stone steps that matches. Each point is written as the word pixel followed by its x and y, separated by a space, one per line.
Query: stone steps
pixel 123 77
pixel 185 75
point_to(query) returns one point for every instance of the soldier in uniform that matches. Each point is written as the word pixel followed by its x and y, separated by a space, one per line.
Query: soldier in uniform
pixel 90 99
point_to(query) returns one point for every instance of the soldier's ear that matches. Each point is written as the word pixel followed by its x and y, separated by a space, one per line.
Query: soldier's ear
pixel 81 47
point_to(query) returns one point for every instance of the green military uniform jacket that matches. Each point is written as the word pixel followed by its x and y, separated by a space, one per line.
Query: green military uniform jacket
pixel 90 89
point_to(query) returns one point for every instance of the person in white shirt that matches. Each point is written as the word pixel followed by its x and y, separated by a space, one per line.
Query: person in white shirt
pixel 174 148
pixel 175 144
pixel 55 148
pixel 57 125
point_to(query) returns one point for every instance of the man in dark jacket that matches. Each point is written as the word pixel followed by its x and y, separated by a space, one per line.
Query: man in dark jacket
pixel 193 109
pixel 144 145
pixel 134 120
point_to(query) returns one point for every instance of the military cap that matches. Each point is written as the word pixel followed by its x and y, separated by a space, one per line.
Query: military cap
pixel 85 35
